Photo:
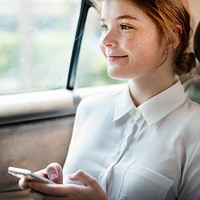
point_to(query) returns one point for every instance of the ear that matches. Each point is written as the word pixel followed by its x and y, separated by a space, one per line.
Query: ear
pixel 177 33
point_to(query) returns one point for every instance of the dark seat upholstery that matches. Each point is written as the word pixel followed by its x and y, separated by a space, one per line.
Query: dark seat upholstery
pixel 192 89
pixel 192 86
pixel 197 42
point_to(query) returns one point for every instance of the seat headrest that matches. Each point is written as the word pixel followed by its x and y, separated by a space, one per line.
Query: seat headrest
pixel 192 88
pixel 197 42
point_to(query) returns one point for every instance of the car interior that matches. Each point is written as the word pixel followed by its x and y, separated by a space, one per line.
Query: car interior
pixel 192 85
pixel 36 128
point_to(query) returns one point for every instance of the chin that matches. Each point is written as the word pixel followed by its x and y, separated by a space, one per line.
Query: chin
pixel 117 76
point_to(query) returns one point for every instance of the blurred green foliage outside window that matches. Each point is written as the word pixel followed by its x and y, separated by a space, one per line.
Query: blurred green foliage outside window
pixel 36 41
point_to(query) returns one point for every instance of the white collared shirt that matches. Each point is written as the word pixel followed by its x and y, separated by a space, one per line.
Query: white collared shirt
pixel 151 152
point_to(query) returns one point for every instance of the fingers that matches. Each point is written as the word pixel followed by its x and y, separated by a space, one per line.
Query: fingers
pixel 23 184
pixel 91 190
pixel 55 173
pixel 95 191
pixel 84 178
pixel 53 190
pixel 59 190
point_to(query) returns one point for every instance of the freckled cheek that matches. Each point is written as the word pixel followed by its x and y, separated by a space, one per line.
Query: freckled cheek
pixel 137 48
pixel 145 44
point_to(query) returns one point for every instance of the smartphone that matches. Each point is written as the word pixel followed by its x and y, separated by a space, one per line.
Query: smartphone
pixel 28 175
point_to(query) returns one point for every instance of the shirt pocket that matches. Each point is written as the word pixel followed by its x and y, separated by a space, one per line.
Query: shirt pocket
pixel 142 183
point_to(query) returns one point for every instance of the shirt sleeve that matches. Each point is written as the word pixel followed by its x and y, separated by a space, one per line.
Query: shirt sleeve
pixel 79 120
pixel 67 168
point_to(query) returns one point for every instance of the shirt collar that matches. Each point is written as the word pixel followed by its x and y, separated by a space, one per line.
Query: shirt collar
pixel 123 103
pixel 154 109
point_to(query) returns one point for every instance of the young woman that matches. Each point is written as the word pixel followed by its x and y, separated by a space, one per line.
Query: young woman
pixel 143 141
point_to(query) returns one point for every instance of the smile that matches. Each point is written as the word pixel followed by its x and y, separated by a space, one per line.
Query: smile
pixel 113 58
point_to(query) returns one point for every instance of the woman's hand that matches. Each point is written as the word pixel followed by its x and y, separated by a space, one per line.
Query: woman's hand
pixel 53 172
pixel 90 190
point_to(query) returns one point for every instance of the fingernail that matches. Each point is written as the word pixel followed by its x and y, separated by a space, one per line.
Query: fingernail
pixel 71 176
pixel 53 176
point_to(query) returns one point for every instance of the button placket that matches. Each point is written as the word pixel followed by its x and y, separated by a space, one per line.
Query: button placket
pixel 136 115
pixel 118 153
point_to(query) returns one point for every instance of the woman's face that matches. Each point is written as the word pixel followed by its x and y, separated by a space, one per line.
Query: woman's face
pixel 130 40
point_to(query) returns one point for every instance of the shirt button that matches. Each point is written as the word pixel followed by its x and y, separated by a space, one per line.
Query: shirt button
pixel 123 145
pixel 118 151
pixel 137 115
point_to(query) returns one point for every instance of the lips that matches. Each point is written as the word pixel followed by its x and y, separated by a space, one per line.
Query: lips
pixel 114 57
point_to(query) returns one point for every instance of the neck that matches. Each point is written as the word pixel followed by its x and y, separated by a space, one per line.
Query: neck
pixel 144 88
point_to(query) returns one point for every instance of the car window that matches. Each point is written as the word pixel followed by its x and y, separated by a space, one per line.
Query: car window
pixel 92 67
pixel 36 40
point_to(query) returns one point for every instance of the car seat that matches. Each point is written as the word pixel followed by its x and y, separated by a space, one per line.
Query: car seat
pixel 192 86
pixel 197 42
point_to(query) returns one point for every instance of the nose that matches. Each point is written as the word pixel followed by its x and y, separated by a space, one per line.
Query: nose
pixel 108 39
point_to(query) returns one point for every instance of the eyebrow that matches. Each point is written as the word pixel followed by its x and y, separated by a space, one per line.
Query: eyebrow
pixel 126 17
pixel 123 17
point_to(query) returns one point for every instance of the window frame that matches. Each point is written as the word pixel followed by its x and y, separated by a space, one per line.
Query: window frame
pixel 85 5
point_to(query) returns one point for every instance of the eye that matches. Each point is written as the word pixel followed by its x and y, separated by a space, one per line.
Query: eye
pixel 125 27
pixel 104 27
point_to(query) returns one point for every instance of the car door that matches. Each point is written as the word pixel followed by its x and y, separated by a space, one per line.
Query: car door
pixel 36 109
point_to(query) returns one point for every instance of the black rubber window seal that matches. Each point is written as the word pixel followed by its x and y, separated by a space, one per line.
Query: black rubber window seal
pixel 85 5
